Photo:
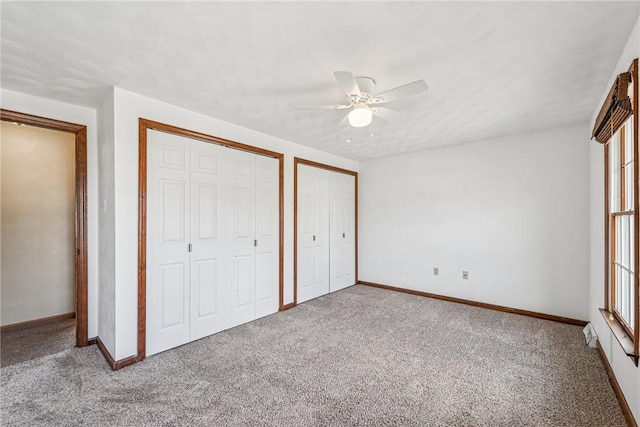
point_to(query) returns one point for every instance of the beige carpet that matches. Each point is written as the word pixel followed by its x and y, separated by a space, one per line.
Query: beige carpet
pixel 36 341
pixel 361 357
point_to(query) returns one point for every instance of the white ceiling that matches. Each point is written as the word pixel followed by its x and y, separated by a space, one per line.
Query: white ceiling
pixel 494 68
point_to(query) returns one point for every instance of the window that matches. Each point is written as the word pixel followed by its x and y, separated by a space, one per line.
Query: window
pixel 617 128
pixel 622 221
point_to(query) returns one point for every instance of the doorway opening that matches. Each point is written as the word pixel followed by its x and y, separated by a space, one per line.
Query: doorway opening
pixel 44 216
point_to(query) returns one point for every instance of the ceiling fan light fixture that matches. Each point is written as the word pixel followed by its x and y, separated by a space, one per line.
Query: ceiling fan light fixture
pixel 360 117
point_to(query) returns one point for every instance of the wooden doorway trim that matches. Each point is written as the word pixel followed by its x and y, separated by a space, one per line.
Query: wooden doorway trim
pixel 81 255
pixel 143 126
pixel 300 161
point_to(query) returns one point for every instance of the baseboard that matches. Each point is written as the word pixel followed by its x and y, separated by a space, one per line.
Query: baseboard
pixel 616 388
pixel 92 341
pixel 37 322
pixel 480 304
pixel 115 364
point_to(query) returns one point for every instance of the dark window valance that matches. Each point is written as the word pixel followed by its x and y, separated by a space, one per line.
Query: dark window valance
pixel 616 109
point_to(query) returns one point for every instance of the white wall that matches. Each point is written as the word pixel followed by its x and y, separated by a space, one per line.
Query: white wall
pixel 42 107
pixel 106 224
pixel 627 374
pixel 511 211
pixel 38 223
pixel 128 108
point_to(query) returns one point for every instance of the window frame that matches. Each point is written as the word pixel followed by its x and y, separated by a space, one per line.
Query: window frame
pixel 626 334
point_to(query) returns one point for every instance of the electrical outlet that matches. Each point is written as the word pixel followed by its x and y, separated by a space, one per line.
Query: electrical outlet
pixel 465 275
pixel 436 272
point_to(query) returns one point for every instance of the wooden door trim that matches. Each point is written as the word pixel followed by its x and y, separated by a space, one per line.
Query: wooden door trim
pixel 300 161
pixel 81 248
pixel 143 126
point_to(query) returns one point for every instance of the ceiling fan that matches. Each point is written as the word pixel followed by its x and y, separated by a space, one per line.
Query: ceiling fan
pixel 363 103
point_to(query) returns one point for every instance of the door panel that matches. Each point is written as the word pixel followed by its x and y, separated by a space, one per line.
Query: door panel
pixel 171 287
pixel 243 275
pixel 267 248
pixel 350 231
pixel 240 247
pixel 305 233
pixel 207 239
pixel 205 212
pixel 204 280
pixel 322 233
pixel 243 218
pixel 167 255
pixel 172 196
pixel 343 234
pixel 266 296
pixel 336 208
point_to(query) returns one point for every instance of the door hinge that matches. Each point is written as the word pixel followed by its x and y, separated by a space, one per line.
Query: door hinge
pixel 190 247
pixel 255 242
pixel 343 235
pixel 314 237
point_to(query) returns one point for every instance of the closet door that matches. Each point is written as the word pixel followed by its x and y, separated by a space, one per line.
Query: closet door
pixel 313 233
pixel 213 239
pixel 322 233
pixel 168 169
pixel 337 234
pixel 342 225
pixel 207 239
pixel 326 240
pixel 305 233
pixel 241 236
pixel 349 230
pixel 267 235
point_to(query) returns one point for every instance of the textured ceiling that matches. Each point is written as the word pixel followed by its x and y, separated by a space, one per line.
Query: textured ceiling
pixel 494 68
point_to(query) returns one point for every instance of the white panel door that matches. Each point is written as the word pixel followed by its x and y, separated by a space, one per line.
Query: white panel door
pixel 313 233
pixel 213 239
pixel 305 233
pixel 349 231
pixel 267 248
pixel 207 239
pixel 322 233
pixel 325 232
pixel 167 241
pixel 240 236
pixel 337 231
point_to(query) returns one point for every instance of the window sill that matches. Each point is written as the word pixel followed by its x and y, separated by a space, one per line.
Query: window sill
pixel 623 339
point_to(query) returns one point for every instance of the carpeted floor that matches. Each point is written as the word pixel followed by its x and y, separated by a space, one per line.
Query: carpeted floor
pixel 361 357
pixel 36 341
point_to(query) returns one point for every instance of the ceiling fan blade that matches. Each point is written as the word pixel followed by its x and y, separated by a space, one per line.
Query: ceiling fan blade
pixel 325 107
pixel 347 83
pixel 401 92
pixel 343 121
pixel 385 113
